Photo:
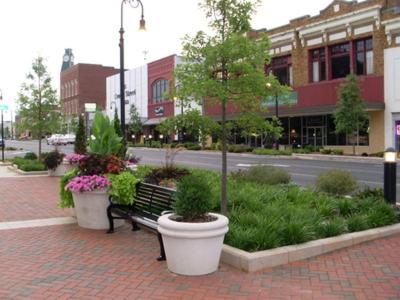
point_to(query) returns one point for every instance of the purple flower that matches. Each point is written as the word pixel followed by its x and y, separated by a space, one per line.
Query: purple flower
pixel 74 159
pixel 87 183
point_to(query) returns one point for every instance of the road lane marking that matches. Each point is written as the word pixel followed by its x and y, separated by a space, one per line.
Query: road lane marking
pixel 252 165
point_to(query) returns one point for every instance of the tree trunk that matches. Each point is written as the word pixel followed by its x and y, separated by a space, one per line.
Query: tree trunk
pixel 224 200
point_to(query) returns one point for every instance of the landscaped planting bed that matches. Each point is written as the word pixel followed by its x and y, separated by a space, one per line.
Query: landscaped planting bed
pixel 266 216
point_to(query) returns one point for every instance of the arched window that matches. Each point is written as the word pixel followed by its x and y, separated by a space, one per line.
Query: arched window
pixel 160 87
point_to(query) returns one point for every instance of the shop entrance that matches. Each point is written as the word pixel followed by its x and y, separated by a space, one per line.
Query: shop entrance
pixel 315 136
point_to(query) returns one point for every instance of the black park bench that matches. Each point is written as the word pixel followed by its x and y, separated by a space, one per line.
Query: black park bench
pixel 150 202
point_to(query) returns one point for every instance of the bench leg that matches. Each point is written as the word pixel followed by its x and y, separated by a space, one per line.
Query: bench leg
pixel 110 220
pixel 134 226
pixel 162 251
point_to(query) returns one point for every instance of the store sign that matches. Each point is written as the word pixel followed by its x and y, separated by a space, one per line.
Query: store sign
pixel 90 107
pixel 159 111
pixel 4 107
pixel 287 100
pixel 127 94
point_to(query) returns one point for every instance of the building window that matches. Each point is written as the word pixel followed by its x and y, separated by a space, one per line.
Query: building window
pixel 159 89
pixel 340 60
pixel 364 57
pixel 318 65
pixel 281 67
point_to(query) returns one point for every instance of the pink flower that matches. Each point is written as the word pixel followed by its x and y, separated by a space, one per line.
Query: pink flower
pixel 87 183
pixel 74 159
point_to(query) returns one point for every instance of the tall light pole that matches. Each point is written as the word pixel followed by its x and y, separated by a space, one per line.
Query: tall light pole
pixel 142 27
pixel 269 86
pixel 2 129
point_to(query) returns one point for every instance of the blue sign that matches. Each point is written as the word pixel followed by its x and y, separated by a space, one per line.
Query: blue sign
pixel 4 106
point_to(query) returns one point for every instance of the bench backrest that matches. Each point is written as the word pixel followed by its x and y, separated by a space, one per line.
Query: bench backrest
pixel 151 200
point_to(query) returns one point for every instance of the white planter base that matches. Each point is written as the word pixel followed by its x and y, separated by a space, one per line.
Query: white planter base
pixel 193 248
pixel 91 210
pixel 63 168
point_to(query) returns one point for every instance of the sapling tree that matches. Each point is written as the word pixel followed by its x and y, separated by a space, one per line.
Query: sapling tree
pixel 225 66
pixel 350 115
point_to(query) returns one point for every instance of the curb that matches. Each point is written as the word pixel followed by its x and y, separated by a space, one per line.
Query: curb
pixel 13 168
pixel 320 157
pixel 256 261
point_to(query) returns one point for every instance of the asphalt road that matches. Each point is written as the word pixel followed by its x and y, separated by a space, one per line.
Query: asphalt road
pixel 304 172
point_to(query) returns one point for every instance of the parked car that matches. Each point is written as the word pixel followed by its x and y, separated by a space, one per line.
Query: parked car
pixel 69 138
pixel 55 139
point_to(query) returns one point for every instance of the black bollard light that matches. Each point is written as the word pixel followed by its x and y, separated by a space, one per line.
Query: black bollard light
pixel 390 166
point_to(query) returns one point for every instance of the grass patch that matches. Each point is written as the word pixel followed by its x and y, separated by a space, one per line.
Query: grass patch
pixel 272 152
pixel 268 216
pixel 28 165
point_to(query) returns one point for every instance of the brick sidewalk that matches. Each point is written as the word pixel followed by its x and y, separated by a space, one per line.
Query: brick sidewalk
pixel 68 262
pixel 25 198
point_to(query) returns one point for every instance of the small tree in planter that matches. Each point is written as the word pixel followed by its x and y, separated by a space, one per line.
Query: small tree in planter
pixel 193 238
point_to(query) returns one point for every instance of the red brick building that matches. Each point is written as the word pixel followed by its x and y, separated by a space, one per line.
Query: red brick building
pixel 83 83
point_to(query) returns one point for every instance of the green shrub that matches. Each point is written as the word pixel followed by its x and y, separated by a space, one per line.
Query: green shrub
pixel 368 192
pixel 192 198
pixel 123 187
pixel 272 152
pixel 301 151
pixel 357 223
pixel 28 165
pixel 155 144
pixel 331 228
pixel 239 148
pixel 336 182
pixel 192 146
pixel 326 151
pixel 80 145
pixel 346 207
pixel 311 149
pixel 31 156
pixel 264 175
pixel 337 152
pixel 381 214
pixel 66 200
pixel 137 145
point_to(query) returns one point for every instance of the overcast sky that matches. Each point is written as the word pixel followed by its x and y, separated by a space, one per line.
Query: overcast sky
pixel 29 28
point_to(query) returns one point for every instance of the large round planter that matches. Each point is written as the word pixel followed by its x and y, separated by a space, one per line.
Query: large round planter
pixel 91 210
pixel 61 169
pixel 193 248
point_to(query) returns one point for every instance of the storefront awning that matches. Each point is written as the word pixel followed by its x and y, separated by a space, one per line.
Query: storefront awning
pixel 155 121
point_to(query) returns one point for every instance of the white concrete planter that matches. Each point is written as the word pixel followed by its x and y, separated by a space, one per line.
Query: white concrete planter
pixel 61 169
pixel 91 210
pixel 193 248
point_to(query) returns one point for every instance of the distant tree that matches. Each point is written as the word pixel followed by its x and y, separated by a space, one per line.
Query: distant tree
pixel 350 115
pixel 135 125
pixel 225 66
pixel 38 104
pixel 254 124
pixel 80 137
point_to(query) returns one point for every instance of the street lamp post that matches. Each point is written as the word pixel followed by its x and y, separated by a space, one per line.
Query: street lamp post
pixel 142 27
pixel 2 129
pixel 390 172
pixel 269 86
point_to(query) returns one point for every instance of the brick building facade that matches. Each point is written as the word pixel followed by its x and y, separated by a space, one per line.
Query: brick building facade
pixel 83 83
pixel 314 54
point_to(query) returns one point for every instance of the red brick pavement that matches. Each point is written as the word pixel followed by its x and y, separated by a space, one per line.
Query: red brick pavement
pixel 67 262
pixel 25 198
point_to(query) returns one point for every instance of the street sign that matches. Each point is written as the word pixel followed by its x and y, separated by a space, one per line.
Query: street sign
pixel 4 107
pixel 90 107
